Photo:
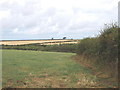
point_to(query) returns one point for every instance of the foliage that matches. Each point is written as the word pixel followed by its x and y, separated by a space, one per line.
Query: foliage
pixel 38 47
pixel 104 46
pixel 64 37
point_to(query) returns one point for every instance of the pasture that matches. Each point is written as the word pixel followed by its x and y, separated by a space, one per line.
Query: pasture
pixel 39 69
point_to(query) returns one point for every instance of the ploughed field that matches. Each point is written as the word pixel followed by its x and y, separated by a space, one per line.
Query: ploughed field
pixel 41 42
pixel 39 69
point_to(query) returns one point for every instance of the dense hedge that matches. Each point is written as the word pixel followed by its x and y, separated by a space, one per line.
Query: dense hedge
pixel 38 47
pixel 104 46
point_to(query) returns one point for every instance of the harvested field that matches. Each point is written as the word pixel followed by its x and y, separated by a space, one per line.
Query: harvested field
pixel 42 42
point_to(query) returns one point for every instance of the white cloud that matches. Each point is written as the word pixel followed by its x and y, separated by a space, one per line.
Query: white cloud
pixel 35 17
pixel 4 14
pixel 16 30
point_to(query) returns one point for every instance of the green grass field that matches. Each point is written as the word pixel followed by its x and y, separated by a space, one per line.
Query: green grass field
pixel 38 69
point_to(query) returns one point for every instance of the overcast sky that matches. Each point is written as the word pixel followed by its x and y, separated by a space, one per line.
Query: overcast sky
pixel 46 19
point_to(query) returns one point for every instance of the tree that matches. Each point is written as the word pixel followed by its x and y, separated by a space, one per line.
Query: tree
pixel 64 37
pixel 52 38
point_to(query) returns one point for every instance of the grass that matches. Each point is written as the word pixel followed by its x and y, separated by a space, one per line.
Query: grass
pixel 39 69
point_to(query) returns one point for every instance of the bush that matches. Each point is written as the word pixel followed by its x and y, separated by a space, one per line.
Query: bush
pixel 38 47
pixel 109 43
pixel 88 46
pixel 105 46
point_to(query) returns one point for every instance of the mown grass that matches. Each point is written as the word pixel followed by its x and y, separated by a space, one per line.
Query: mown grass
pixel 43 69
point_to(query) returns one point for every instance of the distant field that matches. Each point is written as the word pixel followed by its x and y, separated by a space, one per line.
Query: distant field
pixel 39 69
pixel 42 42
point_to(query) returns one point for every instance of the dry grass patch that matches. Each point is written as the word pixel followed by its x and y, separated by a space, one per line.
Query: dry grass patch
pixel 106 74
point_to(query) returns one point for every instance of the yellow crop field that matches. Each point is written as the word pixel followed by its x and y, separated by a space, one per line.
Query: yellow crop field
pixel 42 42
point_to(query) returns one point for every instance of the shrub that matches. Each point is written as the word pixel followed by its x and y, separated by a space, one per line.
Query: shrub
pixel 38 47
pixel 105 46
